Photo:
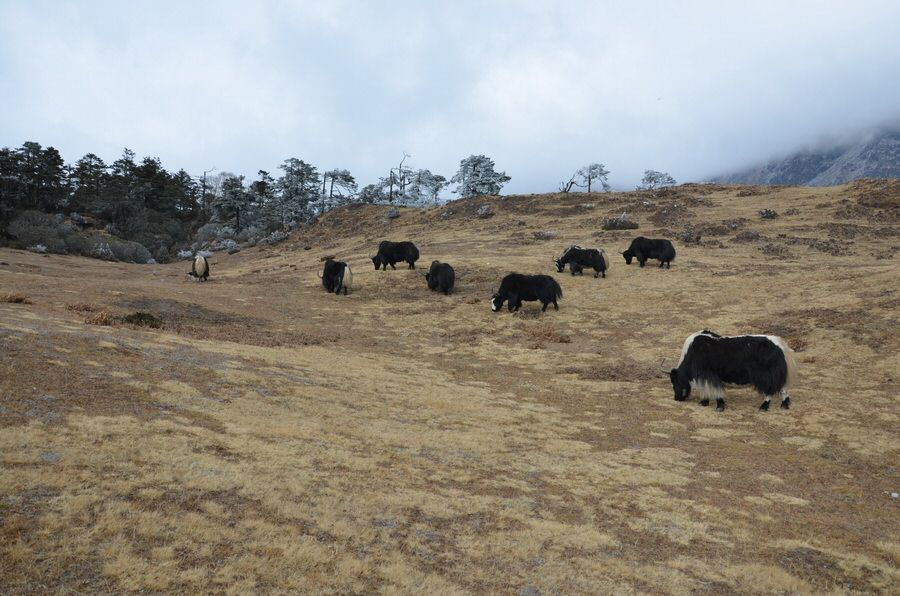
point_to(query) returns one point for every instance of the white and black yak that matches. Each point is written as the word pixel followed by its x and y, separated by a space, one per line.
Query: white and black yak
pixel 517 288
pixel 199 268
pixel 440 277
pixel 395 252
pixel 580 258
pixel 650 248
pixel 336 276
pixel 709 361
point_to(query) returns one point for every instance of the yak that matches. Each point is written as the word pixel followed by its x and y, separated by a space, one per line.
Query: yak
pixel 336 276
pixel 395 252
pixel 578 258
pixel 516 288
pixel 440 277
pixel 709 360
pixel 199 268
pixel 650 248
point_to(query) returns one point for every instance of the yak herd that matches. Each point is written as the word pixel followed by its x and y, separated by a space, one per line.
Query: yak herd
pixel 708 360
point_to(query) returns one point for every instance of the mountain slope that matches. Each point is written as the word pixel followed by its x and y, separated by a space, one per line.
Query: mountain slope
pixel 875 156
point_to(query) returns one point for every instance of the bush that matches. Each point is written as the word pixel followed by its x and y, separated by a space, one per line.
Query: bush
pixel 214 231
pixel 619 223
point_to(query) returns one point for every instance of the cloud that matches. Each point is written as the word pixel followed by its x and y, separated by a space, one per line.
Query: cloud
pixel 694 88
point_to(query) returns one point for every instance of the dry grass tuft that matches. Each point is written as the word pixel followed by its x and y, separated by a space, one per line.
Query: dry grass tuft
pixel 101 317
pixel 14 298
pixel 82 307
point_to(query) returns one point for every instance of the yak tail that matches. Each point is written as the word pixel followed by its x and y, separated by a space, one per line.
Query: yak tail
pixel 605 259
pixel 790 357
pixel 347 281
pixel 557 290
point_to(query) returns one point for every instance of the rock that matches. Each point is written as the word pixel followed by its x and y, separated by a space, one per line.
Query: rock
pixel 392 213
pixel 234 249
pixel 768 213
pixel 185 254
pixel 38 248
pixel 49 457
pixel 689 236
pixel 485 212
pixel 446 214
pixel 546 235
pixel 528 590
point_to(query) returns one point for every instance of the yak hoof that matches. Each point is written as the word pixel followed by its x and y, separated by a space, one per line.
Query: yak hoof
pixel 720 405
pixel 786 404
pixel 704 402
pixel 765 406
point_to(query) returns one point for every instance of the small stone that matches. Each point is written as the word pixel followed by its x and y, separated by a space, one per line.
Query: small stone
pixel 49 457
pixel 392 213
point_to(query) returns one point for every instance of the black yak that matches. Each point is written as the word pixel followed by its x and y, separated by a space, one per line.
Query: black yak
pixel 517 288
pixel 578 258
pixel 650 248
pixel 440 277
pixel 395 252
pixel 199 268
pixel 709 360
pixel 336 276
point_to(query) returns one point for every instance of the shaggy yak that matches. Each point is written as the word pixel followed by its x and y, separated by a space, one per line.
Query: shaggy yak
pixel 578 258
pixel 650 248
pixel 336 276
pixel 395 252
pixel 440 277
pixel 709 360
pixel 199 268
pixel 516 288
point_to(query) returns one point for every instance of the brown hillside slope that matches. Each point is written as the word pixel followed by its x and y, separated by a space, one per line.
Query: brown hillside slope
pixel 271 437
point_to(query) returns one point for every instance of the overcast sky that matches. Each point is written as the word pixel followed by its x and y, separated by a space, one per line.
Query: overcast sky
pixel 692 88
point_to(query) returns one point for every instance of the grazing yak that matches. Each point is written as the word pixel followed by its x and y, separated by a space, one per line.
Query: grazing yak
pixel 199 268
pixel 440 277
pixel 650 248
pixel 709 360
pixel 516 288
pixel 336 276
pixel 578 258
pixel 395 252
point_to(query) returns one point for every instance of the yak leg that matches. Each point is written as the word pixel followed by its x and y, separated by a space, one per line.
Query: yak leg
pixel 785 400
pixel 765 405
pixel 720 404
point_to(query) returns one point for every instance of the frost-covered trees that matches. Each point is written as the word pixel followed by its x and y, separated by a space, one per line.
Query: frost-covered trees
pixel 476 176
pixel 338 187
pixel 654 180
pixel 233 200
pixel 594 173
pixel 590 175
pixel 299 186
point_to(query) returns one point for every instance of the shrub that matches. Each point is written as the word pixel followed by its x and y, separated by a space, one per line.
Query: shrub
pixel 142 319
pixel 619 223
pixel 214 231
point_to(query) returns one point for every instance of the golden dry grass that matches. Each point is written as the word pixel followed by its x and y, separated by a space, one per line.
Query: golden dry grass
pixel 272 437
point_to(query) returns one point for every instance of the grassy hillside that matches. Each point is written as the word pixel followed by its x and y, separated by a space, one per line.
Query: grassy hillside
pixel 270 436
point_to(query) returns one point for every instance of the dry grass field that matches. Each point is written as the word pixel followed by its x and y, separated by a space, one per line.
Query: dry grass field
pixel 268 437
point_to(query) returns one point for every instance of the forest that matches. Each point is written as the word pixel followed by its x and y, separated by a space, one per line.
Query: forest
pixel 138 211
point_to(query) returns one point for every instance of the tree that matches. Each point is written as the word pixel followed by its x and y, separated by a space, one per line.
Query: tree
pixel 234 199
pixel 594 172
pixel 299 186
pixel 87 180
pixel 476 176
pixel 654 180
pixel 344 181
pixel 428 185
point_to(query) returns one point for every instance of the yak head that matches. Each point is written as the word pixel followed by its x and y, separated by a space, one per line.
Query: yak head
pixel 496 302
pixel 682 390
pixel 628 256
pixel 376 260
pixel 560 266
